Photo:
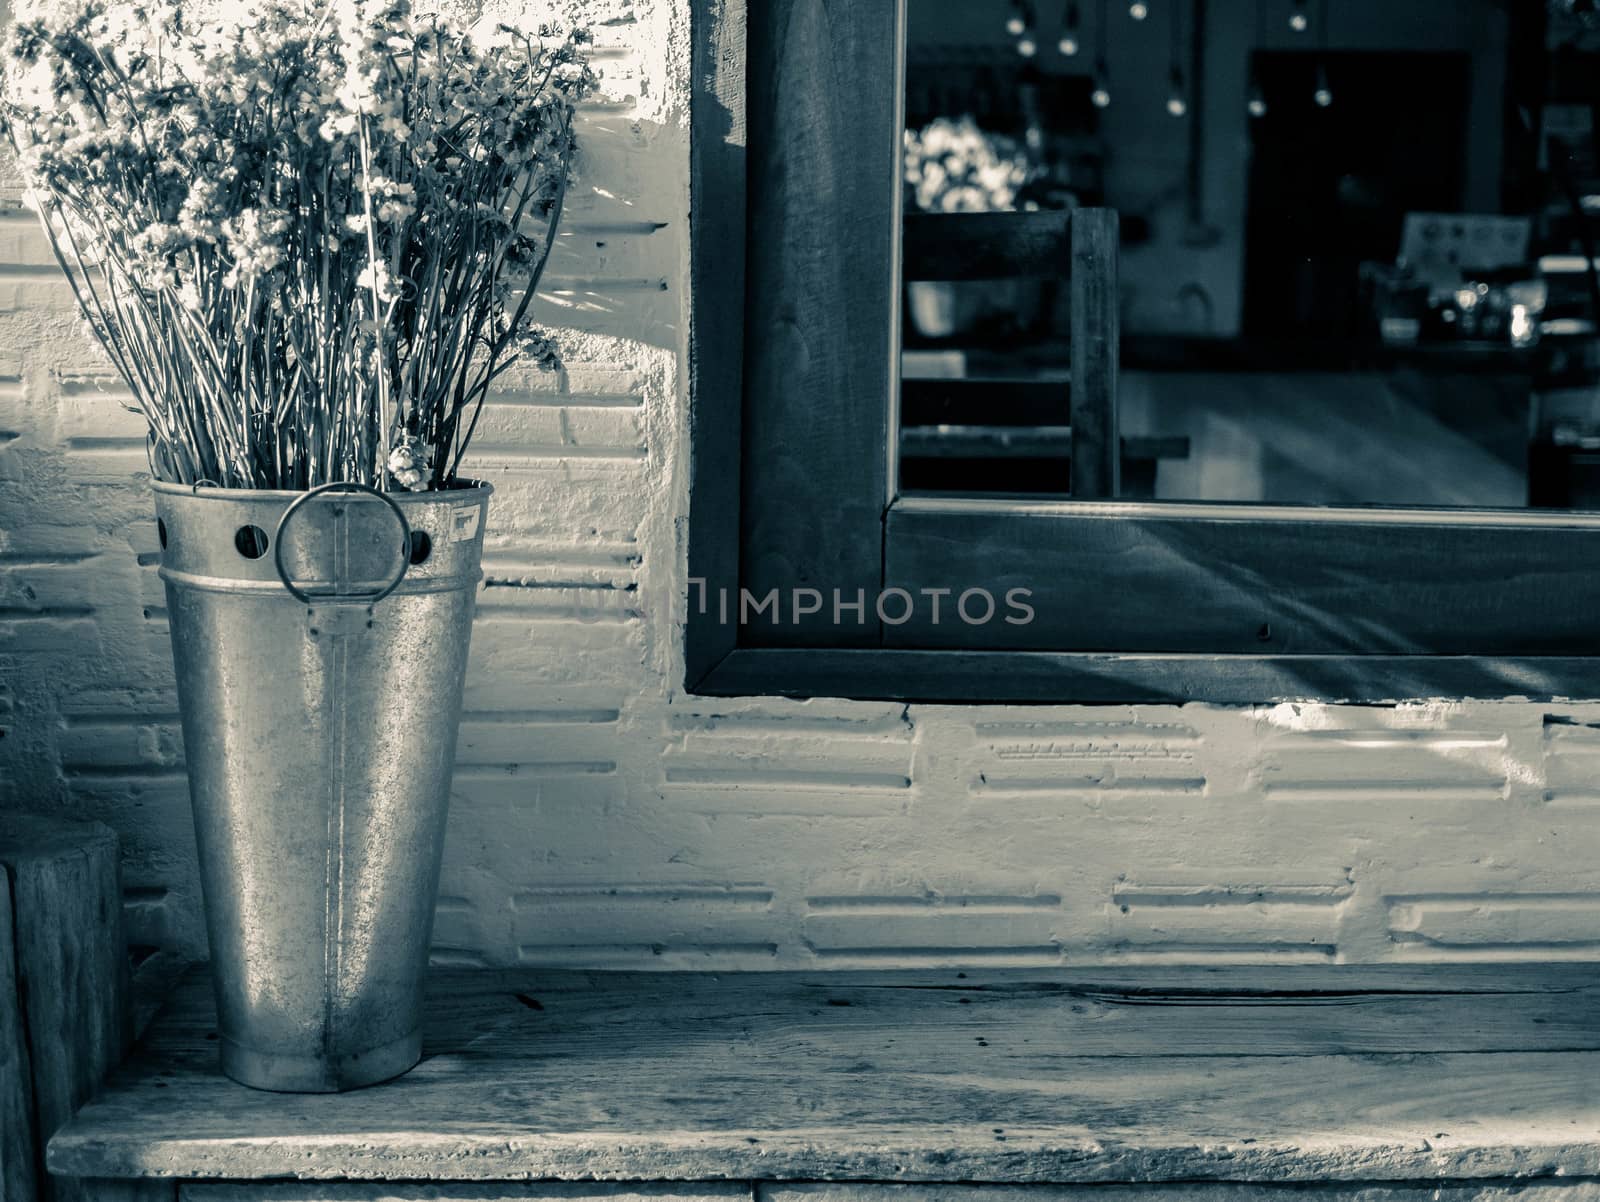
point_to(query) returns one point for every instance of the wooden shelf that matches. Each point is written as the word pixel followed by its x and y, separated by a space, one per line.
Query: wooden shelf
pixel 1308 1074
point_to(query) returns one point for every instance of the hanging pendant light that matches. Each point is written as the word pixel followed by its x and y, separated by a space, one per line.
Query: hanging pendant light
pixel 1070 30
pixel 1177 106
pixel 1022 25
pixel 1256 102
pixel 1324 94
pixel 1138 10
pixel 1177 92
pixel 1101 96
pixel 1299 19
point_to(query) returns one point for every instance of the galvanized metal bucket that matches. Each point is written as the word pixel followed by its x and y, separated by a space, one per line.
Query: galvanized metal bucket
pixel 320 641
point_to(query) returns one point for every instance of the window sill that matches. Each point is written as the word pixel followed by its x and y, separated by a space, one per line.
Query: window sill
pixel 1083 678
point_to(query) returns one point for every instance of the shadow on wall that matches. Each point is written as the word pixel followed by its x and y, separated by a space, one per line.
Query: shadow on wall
pixel 611 271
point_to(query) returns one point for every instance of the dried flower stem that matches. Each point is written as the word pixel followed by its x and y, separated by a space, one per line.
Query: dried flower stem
pixel 309 241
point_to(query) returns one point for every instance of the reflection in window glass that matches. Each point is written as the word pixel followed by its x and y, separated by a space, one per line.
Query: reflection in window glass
pixel 1358 242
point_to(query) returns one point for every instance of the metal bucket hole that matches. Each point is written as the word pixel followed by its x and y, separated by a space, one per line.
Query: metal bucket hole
pixel 161 533
pixel 421 546
pixel 251 541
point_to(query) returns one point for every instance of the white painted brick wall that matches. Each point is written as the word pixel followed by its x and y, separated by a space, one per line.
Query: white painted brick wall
pixel 601 817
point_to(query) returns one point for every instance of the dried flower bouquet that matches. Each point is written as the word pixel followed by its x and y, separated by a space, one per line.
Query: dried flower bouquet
pixel 951 165
pixel 306 231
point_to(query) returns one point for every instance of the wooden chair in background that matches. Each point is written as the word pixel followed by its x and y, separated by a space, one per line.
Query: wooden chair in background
pixel 1019 418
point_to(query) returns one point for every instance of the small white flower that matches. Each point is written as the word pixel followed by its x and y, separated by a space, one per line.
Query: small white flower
pixel 408 464
pixel 375 279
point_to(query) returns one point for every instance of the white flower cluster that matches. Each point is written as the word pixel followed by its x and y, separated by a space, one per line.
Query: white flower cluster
pixel 307 234
pixel 953 166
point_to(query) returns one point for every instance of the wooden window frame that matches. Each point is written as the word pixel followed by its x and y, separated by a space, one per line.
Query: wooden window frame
pixel 794 247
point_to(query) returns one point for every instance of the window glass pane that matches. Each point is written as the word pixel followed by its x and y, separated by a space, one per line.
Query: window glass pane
pixel 1357 241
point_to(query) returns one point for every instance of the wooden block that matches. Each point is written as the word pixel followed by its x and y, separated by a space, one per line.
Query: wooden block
pixel 70 967
pixel 18 1170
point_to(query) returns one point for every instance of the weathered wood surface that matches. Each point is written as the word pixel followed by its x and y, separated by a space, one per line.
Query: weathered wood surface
pixel 70 963
pixel 857 1191
pixel 820 281
pixel 545 1191
pixel 17 1149
pixel 717 169
pixel 1218 1191
pixel 1154 1074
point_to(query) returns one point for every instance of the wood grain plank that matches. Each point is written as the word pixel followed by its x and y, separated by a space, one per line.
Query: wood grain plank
pixel 1244 1074
pixel 986 246
pixel 1221 1191
pixel 383 1191
pixel 71 963
pixel 1041 677
pixel 1139 1011
pixel 17 1147
pixel 717 166
pixel 820 284
pixel 1094 307
pixel 1107 580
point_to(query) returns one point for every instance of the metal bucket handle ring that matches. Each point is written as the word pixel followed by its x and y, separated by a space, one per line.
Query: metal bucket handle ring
pixel 341 486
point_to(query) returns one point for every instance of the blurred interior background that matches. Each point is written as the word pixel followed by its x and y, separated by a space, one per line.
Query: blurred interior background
pixel 1358 243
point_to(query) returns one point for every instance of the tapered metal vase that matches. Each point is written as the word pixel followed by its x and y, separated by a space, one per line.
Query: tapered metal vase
pixel 320 641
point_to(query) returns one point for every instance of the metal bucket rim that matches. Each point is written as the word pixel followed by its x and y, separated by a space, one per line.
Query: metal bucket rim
pixel 466 489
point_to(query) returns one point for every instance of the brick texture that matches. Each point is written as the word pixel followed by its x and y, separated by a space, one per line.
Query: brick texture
pixel 602 818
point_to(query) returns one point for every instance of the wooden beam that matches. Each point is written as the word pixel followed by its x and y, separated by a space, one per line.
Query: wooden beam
pixel 821 278
pixel 986 246
pixel 717 164
pixel 1096 459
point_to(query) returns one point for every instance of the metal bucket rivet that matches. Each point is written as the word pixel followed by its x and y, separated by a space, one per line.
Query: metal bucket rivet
pixel 320 687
